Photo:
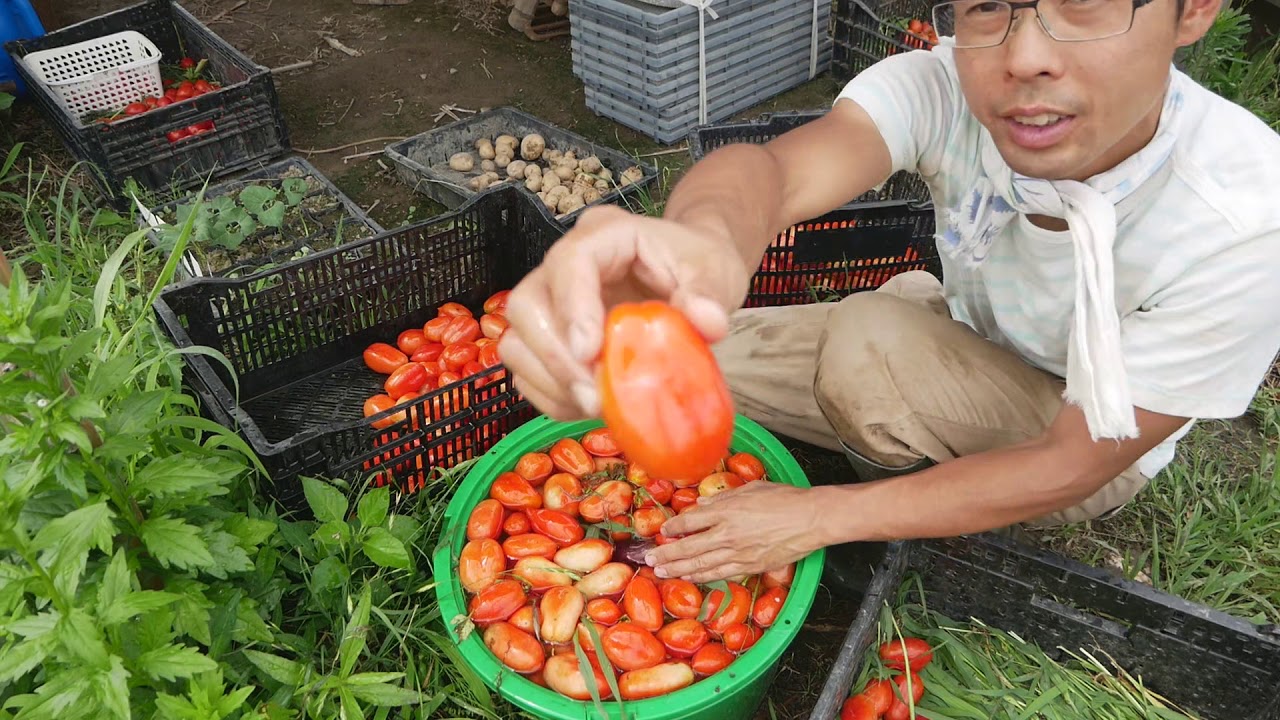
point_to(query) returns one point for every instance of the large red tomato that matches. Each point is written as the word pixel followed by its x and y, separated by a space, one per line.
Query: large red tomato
pixel 662 394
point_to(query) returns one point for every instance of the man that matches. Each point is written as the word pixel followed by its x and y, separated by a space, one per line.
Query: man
pixel 1110 239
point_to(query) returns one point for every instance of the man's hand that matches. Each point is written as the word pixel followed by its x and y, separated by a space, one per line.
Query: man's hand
pixel 751 529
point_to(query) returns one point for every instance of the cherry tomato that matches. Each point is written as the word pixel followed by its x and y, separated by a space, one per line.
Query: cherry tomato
pixel 514 492
pixel 716 483
pixel 171 95
pixel 163 102
pixel 535 467
pixel 563 675
pixel 669 410
pixel 600 443
pixel 497 602
pixel 523 619
pixel 459 329
pixel 560 609
pixel 410 341
pixel 541 573
pixel 428 352
pixel 186 63
pixel 684 498
pixel 746 466
pixel 711 659
pixel 492 326
pixel 648 521
pixel 918 653
pixel 136 108
pixel 739 637
pixel 767 606
pixel 643 603
pixel 859 707
pixel 518 547
pixel 514 647
pixel 435 328
pixel 486 520
pixel 488 354
pixel 631 647
pixel 202 86
pixel 585 556
pixel 660 491
pixel 150 101
pixel 654 681
pixel 561 492
pixel 680 597
pixel 184 93
pixel 609 581
pixel 458 354
pixel 604 611
pixel 517 523
pixel 737 611
pixel 496 302
pixel 880 695
pixel 480 564
pixel 684 637
pixel 558 526
pixel 569 456
pixel 405 379
pixel 383 358
pixel 453 309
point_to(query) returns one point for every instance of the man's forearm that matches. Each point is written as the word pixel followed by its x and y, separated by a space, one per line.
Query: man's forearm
pixel 970 494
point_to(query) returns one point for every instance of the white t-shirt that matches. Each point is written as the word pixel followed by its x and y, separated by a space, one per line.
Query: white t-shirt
pixel 1197 251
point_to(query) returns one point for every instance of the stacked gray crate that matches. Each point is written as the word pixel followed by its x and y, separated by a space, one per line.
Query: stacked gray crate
pixel 639 62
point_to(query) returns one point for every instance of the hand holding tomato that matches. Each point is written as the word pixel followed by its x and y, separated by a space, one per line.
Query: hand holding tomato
pixel 750 529
pixel 557 313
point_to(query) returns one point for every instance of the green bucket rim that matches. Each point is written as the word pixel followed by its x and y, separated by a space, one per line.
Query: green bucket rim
pixel 539 434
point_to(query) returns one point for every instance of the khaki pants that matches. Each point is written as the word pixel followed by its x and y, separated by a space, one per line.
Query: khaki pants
pixel 895 378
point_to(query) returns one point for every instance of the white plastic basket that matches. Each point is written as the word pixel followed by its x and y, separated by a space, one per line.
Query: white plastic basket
pixel 106 73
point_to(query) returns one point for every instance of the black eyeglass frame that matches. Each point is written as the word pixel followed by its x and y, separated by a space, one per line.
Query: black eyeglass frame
pixel 1014 7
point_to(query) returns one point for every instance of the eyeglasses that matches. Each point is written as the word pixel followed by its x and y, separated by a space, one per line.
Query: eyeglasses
pixel 986 23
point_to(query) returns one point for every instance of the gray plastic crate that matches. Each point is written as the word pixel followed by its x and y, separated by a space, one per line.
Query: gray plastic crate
pixel 422 161
pixel 655 24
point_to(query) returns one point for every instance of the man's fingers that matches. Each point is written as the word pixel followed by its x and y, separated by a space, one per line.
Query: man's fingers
pixel 722 572
pixel 691 521
pixel 538 327
pixel 705 563
pixel 547 405
pixel 708 316
pixel 528 368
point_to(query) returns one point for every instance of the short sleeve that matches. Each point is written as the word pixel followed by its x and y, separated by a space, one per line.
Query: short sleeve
pixel 1202 346
pixel 913 99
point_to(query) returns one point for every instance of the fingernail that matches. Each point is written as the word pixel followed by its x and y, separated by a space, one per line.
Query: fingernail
pixel 649 559
pixel 660 572
pixel 585 395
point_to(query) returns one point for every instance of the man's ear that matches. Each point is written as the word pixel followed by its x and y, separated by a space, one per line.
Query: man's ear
pixel 1197 18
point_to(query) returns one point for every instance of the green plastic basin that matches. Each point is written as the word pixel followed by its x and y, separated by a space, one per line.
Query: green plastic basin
pixel 733 694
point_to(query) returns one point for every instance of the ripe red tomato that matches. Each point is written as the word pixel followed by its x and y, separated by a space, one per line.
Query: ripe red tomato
pixel 738 610
pixel 684 637
pixel 480 564
pixel 711 659
pixel 528 544
pixel 171 95
pixel 569 456
pixel 859 707
pixel 453 309
pixel 631 647
pixel 136 108
pixel 517 523
pixel 485 520
pixel 163 102
pixel 492 326
pixel 497 302
pixel 379 404
pixel 411 341
pixel 746 466
pixel 514 492
pixel 880 694
pixel 604 611
pixel 187 63
pixel 408 378
pixel 447 378
pixel 684 498
pixel 184 92
pixel 514 647
pixel 779 577
pixel 202 86
pixel 434 328
pixel 900 710
pixel 600 443
pixel 669 411
pixel 535 467
pixel 174 136
pixel 150 101
pixel 558 526
pixel 457 355
pixel 681 598
pixel 497 602
pixel 716 483
pixel 643 603
pixel 428 352
pixel 382 358
pixel 648 521
pixel 918 653
pixel 489 355
pixel 767 606
pixel 660 491
pixel 461 329
pixel 739 637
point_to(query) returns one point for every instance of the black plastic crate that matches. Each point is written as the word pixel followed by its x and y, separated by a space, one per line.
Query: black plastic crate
pixel 245 111
pixel 295 335
pixel 1211 663
pixel 324 217
pixel 422 161
pixel 866 33
pixel 856 247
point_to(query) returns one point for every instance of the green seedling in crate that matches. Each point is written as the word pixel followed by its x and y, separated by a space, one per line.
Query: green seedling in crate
pixel 227 221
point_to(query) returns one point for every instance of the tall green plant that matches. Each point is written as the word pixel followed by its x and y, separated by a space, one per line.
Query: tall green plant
pixel 1222 62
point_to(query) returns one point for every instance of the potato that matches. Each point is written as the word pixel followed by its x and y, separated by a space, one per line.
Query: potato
pixel 534 183
pixel 484 146
pixel 552 157
pixel 531 146
pixel 590 165
pixel 603 186
pixel 462 162
pixel 487 165
pixel 478 183
pixel 502 161
pixel 493 177
pixel 631 175
pixel 569 203
pixel 569 156
pixel 507 140
pixel 605 173
pixel 532 170
pixel 566 170
pixel 515 169
pixel 550 201
pixel 556 191
pixel 550 180
pixel 590 195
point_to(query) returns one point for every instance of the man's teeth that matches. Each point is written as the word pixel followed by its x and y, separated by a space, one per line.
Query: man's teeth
pixel 1042 119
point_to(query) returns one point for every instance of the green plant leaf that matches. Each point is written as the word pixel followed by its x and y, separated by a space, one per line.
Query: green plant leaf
pixel 384 695
pixel 386 550
pixel 272 215
pixel 6 100
pixel 231 228
pixel 113 690
pixel 136 603
pixel 328 574
pixel 177 474
pixel 255 198
pixel 174 543
pixel 19 658
pixel 326 501
pixel 353 635
pixel 174 661
pixel 284 671
pixel 81 635
pixel 373 507
pixel 294 190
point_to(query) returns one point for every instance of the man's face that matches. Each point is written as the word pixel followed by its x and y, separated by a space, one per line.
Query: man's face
pixel 1074 109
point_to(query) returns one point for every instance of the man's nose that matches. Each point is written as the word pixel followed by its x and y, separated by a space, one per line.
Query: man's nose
pixel 1030 51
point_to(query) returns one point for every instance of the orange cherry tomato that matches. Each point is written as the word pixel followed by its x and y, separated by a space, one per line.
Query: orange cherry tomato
pixel 600 443
pixel 480 564
pixel 604 611
pixel 461 328
pixel 492 326
pixel 383 358
pixel 669 410
pixel 486 520
pixel 514 647
pixel 518 547
pixel 569 456
pixel 514 492
pixel 429 352
pixel 496 301
pixel 643 603
pixel 411 341
pixel 517 523
pixel 746 466
pixel 535 467
pixel 767 606
pixel 497 602
pixel 408 378
pixel 711 659
pixel 684 637
pixel 558 526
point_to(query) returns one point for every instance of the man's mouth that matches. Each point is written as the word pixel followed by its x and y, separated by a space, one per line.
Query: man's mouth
pixel 1039 120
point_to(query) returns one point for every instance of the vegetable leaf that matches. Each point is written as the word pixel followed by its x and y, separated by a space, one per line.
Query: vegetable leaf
pixel 175 661
pixel 177 474
pixel 272 215
pixel 136 603
pixel 373 507
pixel 294 190
pixel 174 543
pixel 255 198
pixel 386 550
pixel 326 501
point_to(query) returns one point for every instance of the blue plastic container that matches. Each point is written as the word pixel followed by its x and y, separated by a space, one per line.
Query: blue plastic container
pixel 18 21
